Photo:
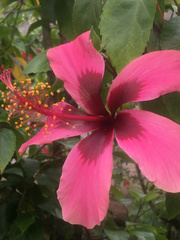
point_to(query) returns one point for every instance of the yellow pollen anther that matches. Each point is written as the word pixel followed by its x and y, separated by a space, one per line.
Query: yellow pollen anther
pixel 67 123
pixel 52 125
pixel 73 127
pixel 45 105
pixel 27 128
pixel 29 107
pixel 52 94
pixel 2 105
pixel 39 102
pixel 29 134
pixel 22 111
pixel 54 117
pixel 38 114
pixel 69 109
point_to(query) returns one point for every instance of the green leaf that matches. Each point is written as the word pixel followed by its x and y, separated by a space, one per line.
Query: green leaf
pixel 125 28
pixel 170 34
pixel 86 14
pixel 24 221
pixel 95 39
pixel 4 31
pixel 150 196
pixel 156 106
pixel 35 231
pixel 63 11
pixel 158 16
pixel 29 166
pixel 7 147
pixel 153 43
pixel 172 103
pixel 160 237
pixel 172 204
pixel 116 192
pixel 51 205
pixel 14 170
pixel 117 235
pixel 47 10
pixel 38 64
pixel 143 235
pixel 136 195
pixel 48 180
pixel 36 24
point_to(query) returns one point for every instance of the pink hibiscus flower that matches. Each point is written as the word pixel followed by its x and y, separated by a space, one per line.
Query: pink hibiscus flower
pixel 151 140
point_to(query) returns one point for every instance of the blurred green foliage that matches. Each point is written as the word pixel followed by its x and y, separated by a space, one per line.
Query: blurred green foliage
pixel 122 30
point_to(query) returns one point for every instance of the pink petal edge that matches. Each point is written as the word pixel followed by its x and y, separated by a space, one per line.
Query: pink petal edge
pixel 146 78
pixel 86 179
pixel 55 129
pixel 81 67
pixel 153 142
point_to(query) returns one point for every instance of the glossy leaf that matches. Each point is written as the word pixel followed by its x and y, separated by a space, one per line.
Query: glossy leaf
pixel 125 28
pixel 170 34
pixel 38 64
pixel 86 13
pixel 7 147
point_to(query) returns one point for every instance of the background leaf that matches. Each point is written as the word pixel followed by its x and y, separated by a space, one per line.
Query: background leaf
pixel 170 34
pixel 125 28
pixel 63 10
pixel 86 14
pixel 117 235
pixel 172 204
pixel 38 64
pixel 7 147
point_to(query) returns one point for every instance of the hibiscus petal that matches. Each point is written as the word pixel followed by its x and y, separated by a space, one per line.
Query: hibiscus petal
pixel 153 142
pixel 86 179
pixel 146 78
pixel 81 68
pixel 56 128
